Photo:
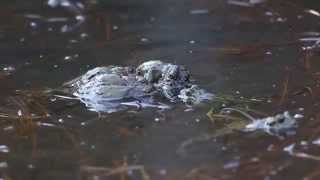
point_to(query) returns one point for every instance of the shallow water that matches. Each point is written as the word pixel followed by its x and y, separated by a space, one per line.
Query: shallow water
pixel 230 50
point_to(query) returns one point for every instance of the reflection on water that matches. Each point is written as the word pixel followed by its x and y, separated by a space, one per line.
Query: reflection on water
pixel 266 50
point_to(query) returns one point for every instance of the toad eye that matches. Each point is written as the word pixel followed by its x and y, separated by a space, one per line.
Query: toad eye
pixel 281 120
pixel 89 78
pixel 271 123
pixel 187 77
pixel 93 75
pixel 171 76
pixel 139 73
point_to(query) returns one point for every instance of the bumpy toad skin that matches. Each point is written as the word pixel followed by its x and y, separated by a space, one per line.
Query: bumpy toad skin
pixel 279 124
pixel 150 71
pixel 274 124
pixel 168 79
pixel 114 85
pixel 194 95
pixel 107 83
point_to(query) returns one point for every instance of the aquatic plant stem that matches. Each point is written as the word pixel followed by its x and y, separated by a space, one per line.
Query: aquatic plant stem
pixel 241 112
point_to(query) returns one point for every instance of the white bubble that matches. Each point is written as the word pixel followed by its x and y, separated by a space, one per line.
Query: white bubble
pixel 3 164
pixel 144 40
pixel 67 57
pixel 4 149
pixel 33 24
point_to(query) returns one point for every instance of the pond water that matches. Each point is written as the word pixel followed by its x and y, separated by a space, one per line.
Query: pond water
pixel 232 49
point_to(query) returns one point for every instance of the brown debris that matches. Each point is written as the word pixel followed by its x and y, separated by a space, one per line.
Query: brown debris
pixel 285 85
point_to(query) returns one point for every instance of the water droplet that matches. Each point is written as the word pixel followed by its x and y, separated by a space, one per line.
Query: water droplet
pixel 83 143
pixel 304 143
pixel 199 11
pixel 33 24
pixel 67 58
pixel 31 166
pixel 144 40
pixel 53 99
pixel 80 5
pixel 4 149
pixel 268 53
pixel 53 3
pixel 289 148
pixel 254 159
pixel 80 18
pixel 3 164
pixel 152 18
pixel 73 41
pixel 9 69
pixel 83 35
pixel 64 28
pixel 281 19
pixel 313 12
pixel 298 116
pixel 65 3
pixel 163 172
pixel 232 164
pixel 8 128
pixel 268 13
pixel 19 112
pixel 273 172
pixel 316 142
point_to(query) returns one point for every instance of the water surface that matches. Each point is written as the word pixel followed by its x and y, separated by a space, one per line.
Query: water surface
pixel 230 50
